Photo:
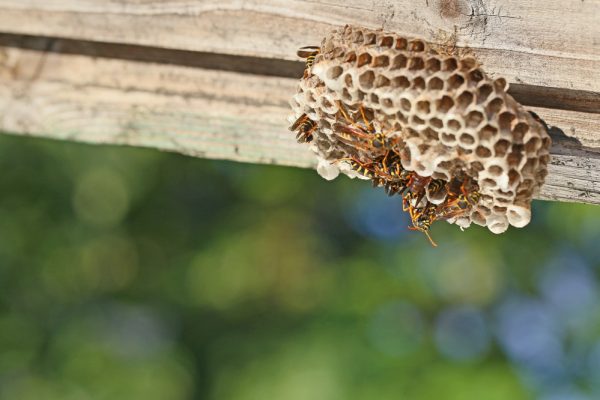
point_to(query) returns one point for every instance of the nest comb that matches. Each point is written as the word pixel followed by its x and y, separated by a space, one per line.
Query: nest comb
pixel 444 115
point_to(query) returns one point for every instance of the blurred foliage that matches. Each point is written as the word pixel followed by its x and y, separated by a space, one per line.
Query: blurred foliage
pixel 133 274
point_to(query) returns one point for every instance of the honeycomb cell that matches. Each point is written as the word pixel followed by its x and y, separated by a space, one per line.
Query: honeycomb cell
pixel 405 104
pixel 449 64
pixel 364 59
pixel 399 62
pixel 514 159
pixel 494 106
pixel 374 98
pixel 455 81
pixel 400 82
pixel 433 65
pixel 466 139
pixel 350 57
pixel 348 81
pixel 381 81
pixel 444 104
pixel 500 85
pixel 417 121
pixel 474 119
pixel 513 177
pixel 387 102
pixel 387 41
pixel 416 63
pixel 419 83
pixel 370 38
pixel 477 166
pixel 453 125
pixel 401 44
pixel 483 92
pixel 501 147
pixel 495 170
pixel 468 63
pixel 423 107
pixel 436 123
pixel 381 61
pixel 505 120
pixel 519 131
pixel 430 134
pixel 483 152
pixel 448 139
pixel 435 83
pixel 475 76
pixel 464 100
pixel 416 45
pixel 533 145
pixel 334 72
pixel 487 133
pixel 366 80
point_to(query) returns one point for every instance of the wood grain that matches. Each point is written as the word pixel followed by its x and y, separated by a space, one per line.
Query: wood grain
pixel 549 43
pixel 214 114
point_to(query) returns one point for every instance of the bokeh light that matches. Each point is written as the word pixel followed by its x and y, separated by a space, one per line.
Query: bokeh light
pixel 461 334
pixel 132 274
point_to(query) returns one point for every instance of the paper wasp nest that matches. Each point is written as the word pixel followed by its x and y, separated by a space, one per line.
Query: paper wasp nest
pixel 448 119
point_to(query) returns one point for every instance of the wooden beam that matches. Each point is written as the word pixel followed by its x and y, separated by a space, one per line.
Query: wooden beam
pixel 214 114
pixel 546 43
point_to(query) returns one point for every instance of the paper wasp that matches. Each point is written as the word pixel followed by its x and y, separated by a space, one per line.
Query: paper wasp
pixel 305 128
pixel 309 53
pixel 460 200
pixel 363 136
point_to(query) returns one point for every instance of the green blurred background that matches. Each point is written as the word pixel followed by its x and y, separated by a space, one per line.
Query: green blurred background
pixel 134 274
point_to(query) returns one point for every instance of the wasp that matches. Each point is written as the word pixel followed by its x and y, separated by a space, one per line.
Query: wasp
pixel 362 137
pixel 422 218
pixel 368 170
pixel 309 53
pixel 305 128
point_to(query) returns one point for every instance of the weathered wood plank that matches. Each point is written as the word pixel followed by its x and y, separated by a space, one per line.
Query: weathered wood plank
pixel 551 43
pixel 213 114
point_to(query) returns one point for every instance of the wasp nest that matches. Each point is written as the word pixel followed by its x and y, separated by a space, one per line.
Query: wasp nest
pixel 444 118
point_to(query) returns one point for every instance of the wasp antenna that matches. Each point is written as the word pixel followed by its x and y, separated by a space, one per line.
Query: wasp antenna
pixel 364 117
pixel 430 239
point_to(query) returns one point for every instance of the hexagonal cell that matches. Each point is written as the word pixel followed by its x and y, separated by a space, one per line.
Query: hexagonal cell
pixel 381 81
pixel 453 125
pixel 366 80
pixel 435 83
pixel 399 62
pixel 334 72
pixel 444 104
pixel 483 152
pixel 501 147
pixel 464 100
pixel 473 119
pixel 401 82
pixel 363 59
pixel 387 41
pixel 381 61
pixel 416 63
pixel 401 43
pixel 494 106
pixel 416 45
pixel 449 64
pixel 433 65
pixel 436 123
pixel 455 81
pixel 423 107
pixel 483 92
pixel 418 83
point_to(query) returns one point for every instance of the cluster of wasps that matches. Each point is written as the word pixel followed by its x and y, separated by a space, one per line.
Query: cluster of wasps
pixel 375 155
